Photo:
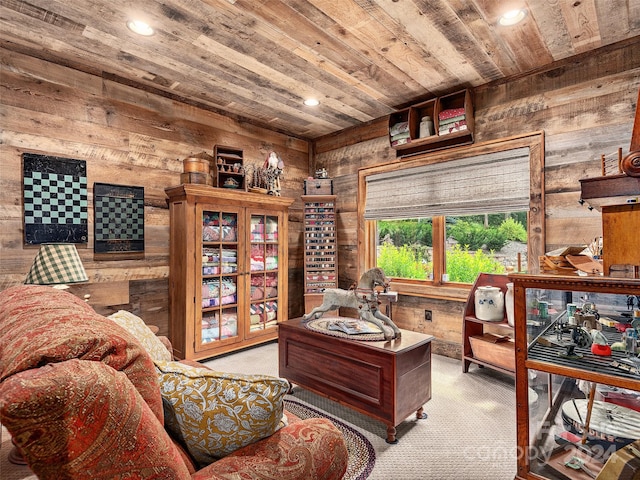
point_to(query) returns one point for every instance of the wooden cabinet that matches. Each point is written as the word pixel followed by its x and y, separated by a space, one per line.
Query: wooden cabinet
pixel 571 402
pixel 228 168
pixel 485 343
pixel 320 248
pixel 393 378
pixel 228 269
pixel 618 198
pixel 453 124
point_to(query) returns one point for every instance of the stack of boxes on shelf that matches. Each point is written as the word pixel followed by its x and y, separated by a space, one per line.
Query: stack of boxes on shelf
pixel 197 169
pixel 452 120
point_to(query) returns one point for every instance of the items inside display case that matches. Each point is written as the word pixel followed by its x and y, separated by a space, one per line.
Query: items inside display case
pixel 264 278
pixel 577 426
pixel 595 330
pixel 219 288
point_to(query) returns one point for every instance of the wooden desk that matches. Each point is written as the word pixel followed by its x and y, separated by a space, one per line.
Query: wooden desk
pixel 385 380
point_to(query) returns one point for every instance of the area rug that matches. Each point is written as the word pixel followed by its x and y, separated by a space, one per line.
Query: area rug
pixel 362 456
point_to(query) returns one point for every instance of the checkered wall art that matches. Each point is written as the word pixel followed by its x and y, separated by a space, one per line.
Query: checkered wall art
pixel 119 218
pixel 55 199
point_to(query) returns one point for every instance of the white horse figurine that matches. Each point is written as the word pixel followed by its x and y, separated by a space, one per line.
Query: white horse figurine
pixel 364 298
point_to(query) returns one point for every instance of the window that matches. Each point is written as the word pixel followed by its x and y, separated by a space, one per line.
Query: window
pixel 427 217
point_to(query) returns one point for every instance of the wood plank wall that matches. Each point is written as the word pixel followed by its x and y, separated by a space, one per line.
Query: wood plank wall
pixel 585 107
pixel 132 137
pixel 128 137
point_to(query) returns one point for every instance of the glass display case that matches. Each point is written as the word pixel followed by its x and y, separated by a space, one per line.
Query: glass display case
pixel 577 376
pixel 228 269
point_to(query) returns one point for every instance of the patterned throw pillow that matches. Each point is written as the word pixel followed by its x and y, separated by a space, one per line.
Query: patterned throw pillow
pixel 41 325
pixel 84 420
pixel 136 326
pixel 214 413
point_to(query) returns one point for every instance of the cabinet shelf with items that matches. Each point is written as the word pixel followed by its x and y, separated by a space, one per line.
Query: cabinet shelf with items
pixel 453 124
pixel 487 343
pixel 320 247
pixel 228 269
pixel 228 168
pixel 577 404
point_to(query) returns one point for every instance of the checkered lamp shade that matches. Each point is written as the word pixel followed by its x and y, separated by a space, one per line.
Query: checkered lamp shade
pixel 56 263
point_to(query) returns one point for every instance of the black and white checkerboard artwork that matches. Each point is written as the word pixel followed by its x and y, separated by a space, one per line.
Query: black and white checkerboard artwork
pixel 119 218
pixel 55 199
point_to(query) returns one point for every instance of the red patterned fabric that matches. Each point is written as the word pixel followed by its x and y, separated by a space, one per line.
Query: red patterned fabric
pixel 41 325
pixel 84 420
pixel 102 419
pixel 312 449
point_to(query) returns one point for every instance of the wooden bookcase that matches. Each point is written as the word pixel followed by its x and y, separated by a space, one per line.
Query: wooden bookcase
pixel 320 248
pixel 228 168
pixel 500 356
pixel 433 108
pixel 228 269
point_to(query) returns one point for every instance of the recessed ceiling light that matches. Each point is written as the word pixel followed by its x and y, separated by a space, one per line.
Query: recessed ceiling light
pixel 140 27
pixel 512 17
pixel 311 102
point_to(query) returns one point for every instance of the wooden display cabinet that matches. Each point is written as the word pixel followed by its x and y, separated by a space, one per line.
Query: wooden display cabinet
pixel 500 355
pixel 573 407
pixel 228 168
pixel 320 248
pixel 228 269
pixel 413 115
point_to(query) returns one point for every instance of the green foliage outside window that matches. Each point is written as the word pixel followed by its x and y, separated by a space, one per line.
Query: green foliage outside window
pixel 513 230
pixel 406 232
pixel 404 250
pixel 464 266
pixel 402 262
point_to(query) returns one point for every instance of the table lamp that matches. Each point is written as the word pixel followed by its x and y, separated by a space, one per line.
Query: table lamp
pixel 57 264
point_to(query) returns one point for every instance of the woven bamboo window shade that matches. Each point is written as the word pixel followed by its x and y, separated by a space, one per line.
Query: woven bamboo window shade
pixel 490 183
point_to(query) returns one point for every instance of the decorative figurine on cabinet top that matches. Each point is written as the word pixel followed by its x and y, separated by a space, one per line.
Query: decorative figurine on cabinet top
pixel 274 168
pixel 364 298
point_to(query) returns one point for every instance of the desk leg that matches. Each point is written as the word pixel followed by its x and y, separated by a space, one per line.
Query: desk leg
pixel 420 415
pixel 391 435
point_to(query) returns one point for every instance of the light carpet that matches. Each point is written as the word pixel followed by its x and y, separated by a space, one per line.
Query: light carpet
pixel 469 434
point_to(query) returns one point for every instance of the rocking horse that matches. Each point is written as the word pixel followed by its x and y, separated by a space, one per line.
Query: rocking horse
pixel 363 297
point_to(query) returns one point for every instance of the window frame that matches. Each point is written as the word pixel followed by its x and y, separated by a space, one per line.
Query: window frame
pixel 367 231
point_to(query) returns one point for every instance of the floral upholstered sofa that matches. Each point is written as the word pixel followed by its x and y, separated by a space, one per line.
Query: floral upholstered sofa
pixel 84 397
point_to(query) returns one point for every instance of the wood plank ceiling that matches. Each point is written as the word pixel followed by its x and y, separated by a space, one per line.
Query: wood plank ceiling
pixel 259 59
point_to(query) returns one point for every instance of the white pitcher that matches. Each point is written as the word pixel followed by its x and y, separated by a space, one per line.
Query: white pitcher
pixel 509 304
pixel 489 303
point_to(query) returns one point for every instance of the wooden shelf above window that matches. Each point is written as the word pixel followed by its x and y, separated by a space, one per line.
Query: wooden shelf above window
pixel 434 108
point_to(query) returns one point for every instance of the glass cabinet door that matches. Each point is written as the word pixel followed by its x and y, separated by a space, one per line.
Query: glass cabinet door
pixel 218 267
pixel 579 408
pixel 264 278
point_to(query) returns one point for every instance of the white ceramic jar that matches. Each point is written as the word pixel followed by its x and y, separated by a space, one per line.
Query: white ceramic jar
pixel 489 303
pixel 509 304
pixel 426 127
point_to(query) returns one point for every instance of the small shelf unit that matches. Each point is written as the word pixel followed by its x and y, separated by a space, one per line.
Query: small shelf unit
pixel 320 248
pixel 228 167
pixel 474 327
pixel 433 108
